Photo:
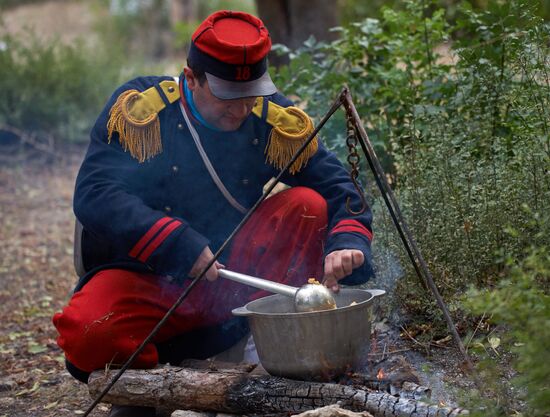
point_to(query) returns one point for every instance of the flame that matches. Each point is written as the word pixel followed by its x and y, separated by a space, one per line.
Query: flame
pixel 380 374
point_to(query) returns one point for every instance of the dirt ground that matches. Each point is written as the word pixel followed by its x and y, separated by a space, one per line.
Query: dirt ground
pixel 36 277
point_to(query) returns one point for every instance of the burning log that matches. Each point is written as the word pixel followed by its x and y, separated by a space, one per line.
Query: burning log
pixel 412 390
pixel 238 392
pixel 395 376
pixel 405 389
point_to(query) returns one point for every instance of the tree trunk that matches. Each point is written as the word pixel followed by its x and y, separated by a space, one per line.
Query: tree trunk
pixel 156 37
pixel 183 11
pixel 239 392
pixel 291 22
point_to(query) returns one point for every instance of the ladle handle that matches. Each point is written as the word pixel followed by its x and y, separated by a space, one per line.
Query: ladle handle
pixel 377 293
pixel 262 284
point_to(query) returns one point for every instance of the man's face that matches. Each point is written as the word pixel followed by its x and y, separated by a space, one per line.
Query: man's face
pixel 226 115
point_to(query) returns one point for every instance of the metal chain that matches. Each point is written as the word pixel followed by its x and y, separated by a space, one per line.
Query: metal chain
pixel 354 159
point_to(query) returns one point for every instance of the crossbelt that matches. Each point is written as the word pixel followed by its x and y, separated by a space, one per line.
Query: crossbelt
pixel 207 163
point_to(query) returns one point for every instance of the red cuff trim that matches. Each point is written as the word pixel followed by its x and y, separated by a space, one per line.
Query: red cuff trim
pixel 351 226
pixel 155 243
pixel 148 236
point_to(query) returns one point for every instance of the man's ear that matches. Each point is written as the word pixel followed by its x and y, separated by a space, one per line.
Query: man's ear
pixel 192 82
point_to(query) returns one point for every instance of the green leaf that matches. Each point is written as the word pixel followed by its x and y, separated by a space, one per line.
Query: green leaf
pixel 494 342
pixel 50 405
pixel 35 348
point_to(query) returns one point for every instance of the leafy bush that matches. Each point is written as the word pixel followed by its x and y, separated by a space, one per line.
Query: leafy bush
pixel 480 154
pixel 5 4
pixel 520 305
pixel 463 133
pixel 53 88
pixel 353 10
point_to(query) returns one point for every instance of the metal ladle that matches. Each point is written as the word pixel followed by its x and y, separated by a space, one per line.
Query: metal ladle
pixel 309 297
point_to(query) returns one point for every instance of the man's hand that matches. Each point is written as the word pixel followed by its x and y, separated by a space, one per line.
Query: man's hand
pixel 339 264
pixel 202 261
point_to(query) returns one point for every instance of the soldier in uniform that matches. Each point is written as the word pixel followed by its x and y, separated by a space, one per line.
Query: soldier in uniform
pixel 173 165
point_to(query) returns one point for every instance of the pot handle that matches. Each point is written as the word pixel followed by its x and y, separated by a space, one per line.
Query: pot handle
pixel 377 293
pixel 241 311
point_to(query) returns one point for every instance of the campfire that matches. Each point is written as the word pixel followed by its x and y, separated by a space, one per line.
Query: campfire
pixel 387 385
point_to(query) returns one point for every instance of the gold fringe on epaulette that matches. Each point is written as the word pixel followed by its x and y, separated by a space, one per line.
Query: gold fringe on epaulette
pixel 284 144
pixel 140 137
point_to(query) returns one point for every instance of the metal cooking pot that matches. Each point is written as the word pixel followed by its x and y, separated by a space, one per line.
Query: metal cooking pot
pixel 311 346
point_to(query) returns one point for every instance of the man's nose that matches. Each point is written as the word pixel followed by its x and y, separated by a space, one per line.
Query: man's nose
pixel 240 108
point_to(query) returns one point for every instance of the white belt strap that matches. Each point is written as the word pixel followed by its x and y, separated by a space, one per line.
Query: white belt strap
pixel 208 164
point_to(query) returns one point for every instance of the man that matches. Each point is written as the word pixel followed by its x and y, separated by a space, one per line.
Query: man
pixel 172 167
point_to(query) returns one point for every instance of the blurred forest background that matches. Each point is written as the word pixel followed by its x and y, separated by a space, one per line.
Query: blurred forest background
pixel 455 97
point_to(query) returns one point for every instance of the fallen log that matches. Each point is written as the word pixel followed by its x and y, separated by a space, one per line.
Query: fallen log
pixel 238 392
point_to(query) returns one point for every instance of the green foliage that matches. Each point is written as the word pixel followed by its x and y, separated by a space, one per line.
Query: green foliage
pixel 478 158
pixel 354 10
pixel 6 4
pixel 463 132
pixel 380 61
pixel 53 88
pixel 137 29
pixel 520 305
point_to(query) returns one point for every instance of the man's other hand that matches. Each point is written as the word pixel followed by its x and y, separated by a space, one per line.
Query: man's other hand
pixel 339 264
pixel 202 261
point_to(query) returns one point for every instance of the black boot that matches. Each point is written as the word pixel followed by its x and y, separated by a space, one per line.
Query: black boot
pixel 131 411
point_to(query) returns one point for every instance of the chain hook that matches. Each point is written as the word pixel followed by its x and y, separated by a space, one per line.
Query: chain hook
pixel 353 159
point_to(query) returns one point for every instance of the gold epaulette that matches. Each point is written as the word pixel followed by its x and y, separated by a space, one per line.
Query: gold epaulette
pixel 291 128
pixel 135 117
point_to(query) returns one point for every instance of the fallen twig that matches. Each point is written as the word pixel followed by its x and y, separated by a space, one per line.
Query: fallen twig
pixel 391 352
pixel 475 331
pixel 40 141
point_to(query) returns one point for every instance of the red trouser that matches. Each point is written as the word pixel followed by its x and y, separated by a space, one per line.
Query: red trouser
pixel 112 314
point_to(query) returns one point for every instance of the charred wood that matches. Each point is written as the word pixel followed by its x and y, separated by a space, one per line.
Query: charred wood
pixel 411 390
pixel 403 390
pixel 394 376
pixel 238 392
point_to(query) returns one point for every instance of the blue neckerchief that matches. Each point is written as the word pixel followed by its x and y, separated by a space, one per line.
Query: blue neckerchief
pixel 194 111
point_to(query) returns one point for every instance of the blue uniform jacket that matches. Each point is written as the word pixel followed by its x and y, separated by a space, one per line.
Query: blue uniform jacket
pixel 160 214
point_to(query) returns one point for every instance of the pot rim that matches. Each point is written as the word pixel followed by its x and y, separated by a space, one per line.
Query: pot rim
pixel 244 311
